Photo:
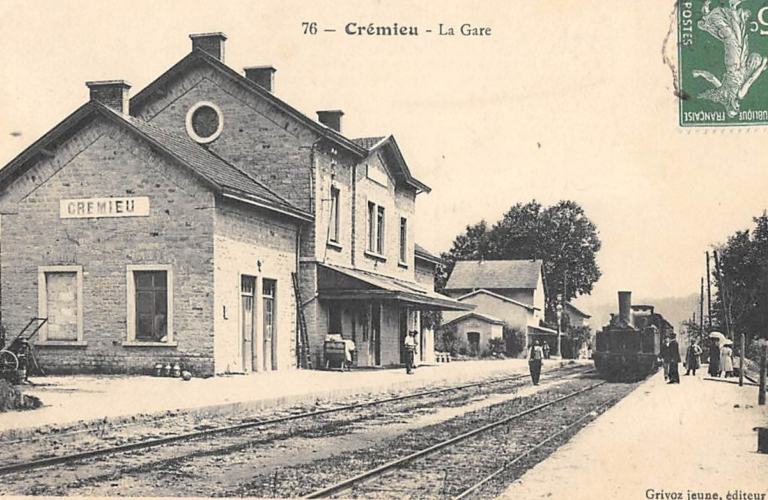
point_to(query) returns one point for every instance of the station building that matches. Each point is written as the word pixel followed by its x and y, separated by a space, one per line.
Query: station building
pixel 203 221
pixel 505 292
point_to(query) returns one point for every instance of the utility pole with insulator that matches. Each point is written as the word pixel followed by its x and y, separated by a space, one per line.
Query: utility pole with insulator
pixel 701 310
pixel 709 294
pixel 559 309
pixel 727 317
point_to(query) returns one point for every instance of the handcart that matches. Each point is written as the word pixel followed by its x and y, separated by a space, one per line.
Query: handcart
pixel 337 354
pixel 19 356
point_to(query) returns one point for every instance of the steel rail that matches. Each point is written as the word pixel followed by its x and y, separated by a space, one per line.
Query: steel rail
pixel 464 494
pixel 378 471
pixel 56 460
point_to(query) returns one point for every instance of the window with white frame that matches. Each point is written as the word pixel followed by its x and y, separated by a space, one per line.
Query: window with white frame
pixel 333 230
pixel 403 239
pixel 371 226
pixel 380 231
pixel 60 299
pixel 376 228
pixel 150 304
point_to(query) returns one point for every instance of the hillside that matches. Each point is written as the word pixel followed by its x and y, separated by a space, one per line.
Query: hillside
pixel 674 309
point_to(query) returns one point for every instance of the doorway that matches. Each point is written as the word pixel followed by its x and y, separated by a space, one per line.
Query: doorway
pixel 247 321
pixel 375 345
pixel 474 343
pixel 269 288
pixel 403 334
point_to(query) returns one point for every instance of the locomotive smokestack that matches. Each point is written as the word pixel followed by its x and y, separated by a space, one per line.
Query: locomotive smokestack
pixel 625 306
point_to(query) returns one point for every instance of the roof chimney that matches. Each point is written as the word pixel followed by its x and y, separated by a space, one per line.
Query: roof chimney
pixel 331 119
pixel 210 43
pixel 263 76
pixel 625 306
pixel 111 93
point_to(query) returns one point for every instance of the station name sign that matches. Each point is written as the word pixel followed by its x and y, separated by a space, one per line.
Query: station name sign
pixel 85 208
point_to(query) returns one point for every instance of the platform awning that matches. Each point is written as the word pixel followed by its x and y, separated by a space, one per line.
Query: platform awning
pixel 540 330
pixel 341 283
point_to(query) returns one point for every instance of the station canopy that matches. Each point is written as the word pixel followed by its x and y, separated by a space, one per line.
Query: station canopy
pixel 341 283
pixel 540 330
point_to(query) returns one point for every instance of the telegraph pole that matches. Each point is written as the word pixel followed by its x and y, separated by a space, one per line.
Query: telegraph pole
pixel 559 308
pixel 701 310
pixel 709 294
pixel 726 308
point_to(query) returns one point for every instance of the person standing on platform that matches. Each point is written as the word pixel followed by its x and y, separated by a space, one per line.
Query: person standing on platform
pixel 673 358
pixel 726 361
pixel 663 353
pixel 545 349
pixel 714 359
pixel 410 351
pixel 692 361
pixel 535 356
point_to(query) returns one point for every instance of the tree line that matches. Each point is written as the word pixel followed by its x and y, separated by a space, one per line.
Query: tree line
pixel 561 236
pixel 741 277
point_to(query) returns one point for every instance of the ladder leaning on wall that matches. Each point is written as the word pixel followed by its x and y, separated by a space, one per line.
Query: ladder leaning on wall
pixel 302 342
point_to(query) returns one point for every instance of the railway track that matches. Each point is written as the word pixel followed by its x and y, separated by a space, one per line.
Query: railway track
pixel 260 424
pixel 426 472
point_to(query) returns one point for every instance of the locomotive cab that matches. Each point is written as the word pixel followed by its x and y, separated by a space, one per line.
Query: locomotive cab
pixel 627 349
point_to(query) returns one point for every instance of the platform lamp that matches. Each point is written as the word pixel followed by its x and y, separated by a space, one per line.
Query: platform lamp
pixel 559 309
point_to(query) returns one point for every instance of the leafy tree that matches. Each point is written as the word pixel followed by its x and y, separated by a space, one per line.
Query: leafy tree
pixel 497 347
pixel 742 283
pixel 514 338
pixel 447 339
pixel 562 236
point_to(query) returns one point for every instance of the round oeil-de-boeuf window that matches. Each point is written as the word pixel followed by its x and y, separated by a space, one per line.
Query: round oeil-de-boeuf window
pixel 204 122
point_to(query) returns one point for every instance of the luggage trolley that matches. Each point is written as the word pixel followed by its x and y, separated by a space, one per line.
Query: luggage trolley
pixel 18 355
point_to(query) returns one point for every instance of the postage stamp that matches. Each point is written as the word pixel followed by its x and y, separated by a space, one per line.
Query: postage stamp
pixel 723 55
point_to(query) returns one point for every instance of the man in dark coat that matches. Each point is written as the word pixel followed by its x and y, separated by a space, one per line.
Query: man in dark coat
pixel 664 355
pixel 673 358
pixel 714 358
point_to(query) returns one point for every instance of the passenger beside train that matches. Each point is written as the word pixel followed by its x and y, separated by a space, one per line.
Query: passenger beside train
pixel 714 359
pixel 664 355
pixel 726 360
pixel 692 361
pixel 672 359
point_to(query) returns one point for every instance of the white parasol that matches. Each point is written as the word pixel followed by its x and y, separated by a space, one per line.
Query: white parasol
pixel 717 335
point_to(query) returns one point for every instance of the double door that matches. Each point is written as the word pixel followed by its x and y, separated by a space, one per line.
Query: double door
pixel 251 352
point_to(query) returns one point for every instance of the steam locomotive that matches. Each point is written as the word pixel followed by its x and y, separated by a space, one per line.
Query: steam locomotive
pixel 627 349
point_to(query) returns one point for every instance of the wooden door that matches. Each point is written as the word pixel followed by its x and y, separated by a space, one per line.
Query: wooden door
pixel 248 325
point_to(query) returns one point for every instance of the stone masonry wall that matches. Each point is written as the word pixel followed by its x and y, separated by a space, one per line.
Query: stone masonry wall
pixel 256 136
pixel 260 244
pixel 103 160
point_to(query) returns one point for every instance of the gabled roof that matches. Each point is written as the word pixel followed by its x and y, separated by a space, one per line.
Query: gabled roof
pixel 422 253
pixel 476 315
pixel 395 159
pixel 482 291
pixel 201 57
pixel 368 142
pixel 360 147
pixel 576 310
pixel 214 171
pixel 495 274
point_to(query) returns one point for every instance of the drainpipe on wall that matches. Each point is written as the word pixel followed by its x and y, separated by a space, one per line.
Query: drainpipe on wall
pixel 354 206
pixel 1 280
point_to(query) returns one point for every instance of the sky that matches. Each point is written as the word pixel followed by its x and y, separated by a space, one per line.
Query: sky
pixel 564 100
